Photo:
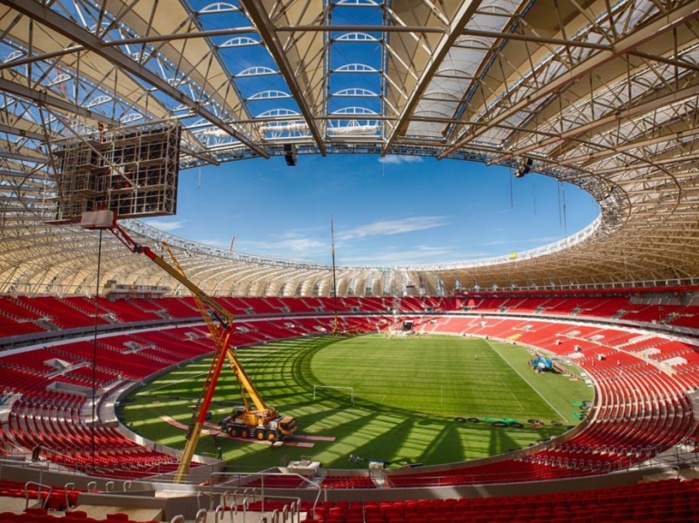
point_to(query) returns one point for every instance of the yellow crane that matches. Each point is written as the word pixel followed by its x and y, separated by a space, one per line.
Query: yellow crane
pixel 262 421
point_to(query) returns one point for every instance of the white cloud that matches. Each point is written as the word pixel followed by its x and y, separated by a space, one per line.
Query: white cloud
pixel 301 244
pixel 421 254
pixel 407 257
pixel 289 243
pixel 390 227
pixel 166 226
pixel 394 159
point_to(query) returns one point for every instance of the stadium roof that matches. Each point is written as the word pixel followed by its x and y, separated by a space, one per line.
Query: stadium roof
pixel 601 94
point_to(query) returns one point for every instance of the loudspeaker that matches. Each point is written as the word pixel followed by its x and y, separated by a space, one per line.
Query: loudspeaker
pixel 524 168
pixel 290 154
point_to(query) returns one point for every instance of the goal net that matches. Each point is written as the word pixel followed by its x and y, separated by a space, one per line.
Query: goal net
pixel 344 390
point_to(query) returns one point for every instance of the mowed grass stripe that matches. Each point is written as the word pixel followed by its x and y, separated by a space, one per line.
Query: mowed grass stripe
pixel 408 391
pixel 433 375
pixel 547 385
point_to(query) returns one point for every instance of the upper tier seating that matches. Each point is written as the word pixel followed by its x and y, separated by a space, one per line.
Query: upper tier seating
pixel 22 315
pixel 641 409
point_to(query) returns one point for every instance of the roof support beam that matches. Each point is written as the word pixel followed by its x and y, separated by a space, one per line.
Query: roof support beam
pixel 41 57
pixel 271 39
pixel 63 26
pixel 23 157
pixel 32 135
pixel 207 158
pixel 592 158
pixel 45 98
pixel 535 39
pixel 292 29
pixel 466 11
pixel 682 64
pixel 152 39
pixel 356 28
pixel 626 114
pixel 650 164
pixel 626 45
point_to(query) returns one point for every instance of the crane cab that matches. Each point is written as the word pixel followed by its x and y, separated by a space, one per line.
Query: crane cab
pixel 261 425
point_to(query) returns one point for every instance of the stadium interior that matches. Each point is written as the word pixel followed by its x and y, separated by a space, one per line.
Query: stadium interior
pixel 103 103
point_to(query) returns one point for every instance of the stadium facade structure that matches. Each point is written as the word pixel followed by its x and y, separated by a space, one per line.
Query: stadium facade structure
pixel 599 94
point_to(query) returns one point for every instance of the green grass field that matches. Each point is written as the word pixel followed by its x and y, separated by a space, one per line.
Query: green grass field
pixel 407 393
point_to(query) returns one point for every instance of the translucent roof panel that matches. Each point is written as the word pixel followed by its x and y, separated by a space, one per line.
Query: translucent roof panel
pixel 600 94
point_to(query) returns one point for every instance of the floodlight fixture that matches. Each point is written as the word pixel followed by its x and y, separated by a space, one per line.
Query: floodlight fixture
pixel 524 168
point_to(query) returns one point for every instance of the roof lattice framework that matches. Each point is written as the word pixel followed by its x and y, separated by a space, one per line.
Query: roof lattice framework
pixel 602 94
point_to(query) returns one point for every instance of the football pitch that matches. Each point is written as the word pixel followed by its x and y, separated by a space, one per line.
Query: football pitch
pixel 419 399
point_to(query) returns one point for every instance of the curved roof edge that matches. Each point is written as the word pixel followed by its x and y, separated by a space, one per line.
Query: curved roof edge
pixel 148 231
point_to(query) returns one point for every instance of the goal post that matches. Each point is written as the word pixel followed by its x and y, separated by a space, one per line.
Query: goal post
pixel 350 389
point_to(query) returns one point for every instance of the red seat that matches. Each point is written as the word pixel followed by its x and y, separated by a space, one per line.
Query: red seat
pixel 118 516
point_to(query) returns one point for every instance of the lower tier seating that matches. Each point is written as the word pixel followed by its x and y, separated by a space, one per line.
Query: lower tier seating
pixel 666 501
pixel 641 409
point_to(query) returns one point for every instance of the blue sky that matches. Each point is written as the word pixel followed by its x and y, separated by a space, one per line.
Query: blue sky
pixel 387 211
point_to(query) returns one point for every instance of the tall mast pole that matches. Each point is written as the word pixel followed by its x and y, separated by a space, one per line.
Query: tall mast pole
pixel 332 237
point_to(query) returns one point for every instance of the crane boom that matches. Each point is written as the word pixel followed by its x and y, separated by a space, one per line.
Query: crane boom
pixel 220 323
pixel 263 422
pixel 219 312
